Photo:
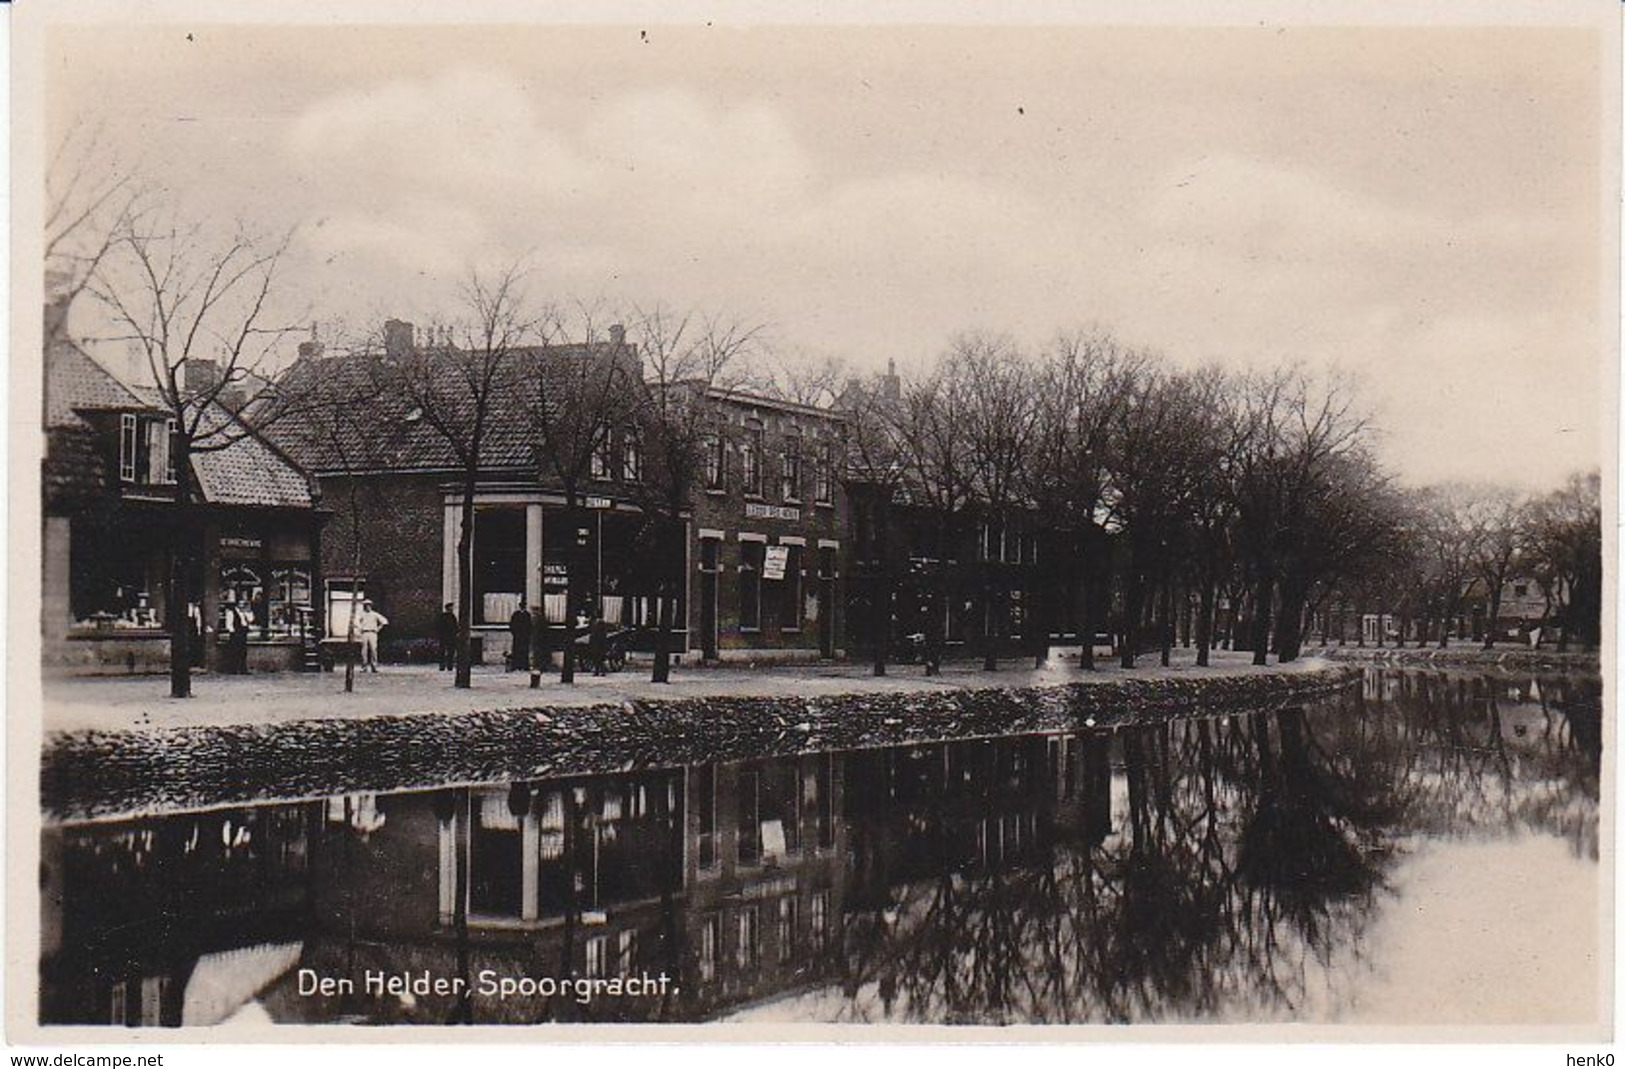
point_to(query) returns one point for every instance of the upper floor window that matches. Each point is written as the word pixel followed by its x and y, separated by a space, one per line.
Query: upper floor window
pixel 598 466
pixel 713 462
pixel 146 451
pixel 632 456
pixel 824 490
pixel 128 447
pixel 751 457
pixel 790 471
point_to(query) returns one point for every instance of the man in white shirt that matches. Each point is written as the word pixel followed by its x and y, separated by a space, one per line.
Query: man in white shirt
pixel 367 624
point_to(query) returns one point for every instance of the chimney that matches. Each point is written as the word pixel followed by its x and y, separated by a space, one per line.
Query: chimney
pixel 398 338
pixel 201 375
pixel 617 335
pixel 891 387
pixel 312 349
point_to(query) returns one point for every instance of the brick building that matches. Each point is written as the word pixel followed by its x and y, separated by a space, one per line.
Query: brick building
pixel 758 554
pixel 767 531
pixel 112 530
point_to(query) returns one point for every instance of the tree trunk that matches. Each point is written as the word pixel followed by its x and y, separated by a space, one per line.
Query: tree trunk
pixel 180 621
pixel 880 592
pixel 990 618
pixel 1086 623
pixel 538 621
pixel 1288 623
pixel 1165 633
pixel 465 587
pixel 663 616
pixel 1262 597
pixel 1131 611
pixel 1204 621
pixel 572 583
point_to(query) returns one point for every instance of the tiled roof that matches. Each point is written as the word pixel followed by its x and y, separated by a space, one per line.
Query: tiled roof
pixel 386 439
pixel 248 471
pixel 74 380
pixel 245 472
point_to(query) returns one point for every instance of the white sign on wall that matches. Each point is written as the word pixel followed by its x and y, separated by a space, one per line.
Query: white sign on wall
pixel 774 562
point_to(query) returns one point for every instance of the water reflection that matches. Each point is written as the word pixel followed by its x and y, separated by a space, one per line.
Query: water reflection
pixel 1226 868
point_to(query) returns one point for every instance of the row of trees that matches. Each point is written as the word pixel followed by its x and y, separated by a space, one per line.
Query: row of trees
pixel 1186 490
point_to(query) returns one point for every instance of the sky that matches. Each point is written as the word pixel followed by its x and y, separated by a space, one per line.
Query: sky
pixel 1422 207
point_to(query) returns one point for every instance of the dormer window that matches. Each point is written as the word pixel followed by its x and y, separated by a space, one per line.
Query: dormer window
pixel 146 450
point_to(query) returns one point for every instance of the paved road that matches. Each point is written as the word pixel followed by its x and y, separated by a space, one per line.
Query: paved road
pixel 143 702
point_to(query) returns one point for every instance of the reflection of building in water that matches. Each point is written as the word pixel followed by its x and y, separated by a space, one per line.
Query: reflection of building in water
pixel 734 879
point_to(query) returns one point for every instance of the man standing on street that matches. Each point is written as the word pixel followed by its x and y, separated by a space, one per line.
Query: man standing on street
pixel 446 632
pixel 369 623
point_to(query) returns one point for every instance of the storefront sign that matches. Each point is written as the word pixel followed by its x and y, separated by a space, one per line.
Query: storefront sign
pixel 774 562
pixel 756 511
pixel 240 543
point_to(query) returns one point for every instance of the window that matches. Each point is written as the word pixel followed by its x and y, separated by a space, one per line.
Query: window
pixel 597 952
pixel 750 585
pixel 790 469
pixel 495 857
pixel 705 806
pixel 288 600
pixel 710 937
pixel 598 465
pixel 1520 590
pixel 790 594
pixel 127 445
pixel 824 490
pixel 786 934
pixel 750 818
pixel 499 563
pixel 627 952
pixel 160 461
pixel 714 466
pixel 631 456
pixel 751 457
pixel 820 917
pixel 745 950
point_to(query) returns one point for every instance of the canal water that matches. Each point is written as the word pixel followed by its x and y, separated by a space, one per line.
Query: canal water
pixel 1422 849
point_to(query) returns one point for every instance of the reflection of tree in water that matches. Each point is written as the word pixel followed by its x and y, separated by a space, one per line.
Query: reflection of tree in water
pixel 1246 866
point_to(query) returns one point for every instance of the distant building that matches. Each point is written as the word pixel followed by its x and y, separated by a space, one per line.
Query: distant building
pixel 111 531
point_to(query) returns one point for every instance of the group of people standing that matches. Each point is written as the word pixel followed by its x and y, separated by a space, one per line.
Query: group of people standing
pixel 520 631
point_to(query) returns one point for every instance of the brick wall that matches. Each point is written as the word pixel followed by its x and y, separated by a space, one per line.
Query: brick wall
pixel 402 520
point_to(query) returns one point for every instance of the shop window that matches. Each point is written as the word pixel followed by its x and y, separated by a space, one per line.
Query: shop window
pixel 790 591
pixel 632 456
pixel 243 588
pixel 499 564
pixel 287 602
pixel 790 468
pixel 750 585
pixel 824 491
pixel 714 462
pixel 751 457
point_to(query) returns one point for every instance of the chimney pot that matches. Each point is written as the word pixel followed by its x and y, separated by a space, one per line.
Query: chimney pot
pixel 617 335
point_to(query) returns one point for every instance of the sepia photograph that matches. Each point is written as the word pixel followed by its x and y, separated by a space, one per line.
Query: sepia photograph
pixel 830 523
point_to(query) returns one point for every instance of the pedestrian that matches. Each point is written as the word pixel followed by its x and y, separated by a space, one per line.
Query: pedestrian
pixel 368 624
pixel 234 623
pixel 446 632
pixel 519 633
pixel 598 644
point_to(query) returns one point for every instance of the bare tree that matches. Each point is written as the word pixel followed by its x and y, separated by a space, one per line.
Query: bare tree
pixel 997 422
pixel 197 308
pixel 877 471
pixel 688 360
pixel 585 398
pixel 90 200
pixel 454 386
